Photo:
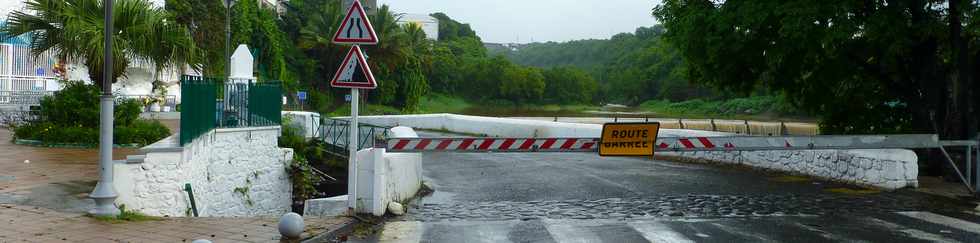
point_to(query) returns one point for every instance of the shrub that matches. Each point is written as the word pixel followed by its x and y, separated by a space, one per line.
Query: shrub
pixel 140 132
pixel 72 116
pixel 76 104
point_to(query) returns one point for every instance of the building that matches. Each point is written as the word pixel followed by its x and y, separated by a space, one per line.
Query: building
pixel 20 71
pixel 429 24
pixel 370 6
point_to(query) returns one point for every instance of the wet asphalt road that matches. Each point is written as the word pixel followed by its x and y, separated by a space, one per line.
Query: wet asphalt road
pixel 577 197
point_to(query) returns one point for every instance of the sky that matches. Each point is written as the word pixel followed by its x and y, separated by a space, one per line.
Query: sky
pixel 521 21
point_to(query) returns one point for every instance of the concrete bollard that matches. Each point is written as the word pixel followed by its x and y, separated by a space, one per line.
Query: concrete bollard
pixel 291 226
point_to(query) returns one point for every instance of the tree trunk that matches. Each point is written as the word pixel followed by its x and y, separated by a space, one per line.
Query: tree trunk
pixel 958 112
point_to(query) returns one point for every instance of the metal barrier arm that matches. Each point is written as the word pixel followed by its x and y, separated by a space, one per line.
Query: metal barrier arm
pixel 665 144
pixel 492 145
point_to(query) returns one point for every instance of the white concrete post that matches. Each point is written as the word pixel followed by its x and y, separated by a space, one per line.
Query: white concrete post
pixel 380 180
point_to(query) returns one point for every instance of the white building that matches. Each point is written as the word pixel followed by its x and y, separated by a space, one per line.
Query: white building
pixel 20 71
pixel 429 24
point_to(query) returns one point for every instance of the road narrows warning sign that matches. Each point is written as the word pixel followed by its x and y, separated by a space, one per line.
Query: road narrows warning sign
pixel 354 72
pixel 356 28
pixel 628 139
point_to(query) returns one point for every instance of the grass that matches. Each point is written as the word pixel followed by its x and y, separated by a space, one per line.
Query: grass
pixel 439 103
pixel 851 191
pixel 789 178
pixel 366 110
pixel 126 216
pixel 751 108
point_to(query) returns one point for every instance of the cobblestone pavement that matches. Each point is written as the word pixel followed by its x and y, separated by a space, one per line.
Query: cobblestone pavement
pixel 25 167
pixel 664 206
pixel 33 224
pixel 575 197
pixel 44 198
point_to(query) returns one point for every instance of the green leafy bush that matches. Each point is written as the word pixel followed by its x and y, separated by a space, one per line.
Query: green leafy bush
pixel 72 116
pixel 754 105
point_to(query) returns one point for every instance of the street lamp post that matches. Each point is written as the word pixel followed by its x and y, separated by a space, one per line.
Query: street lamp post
pixel 228 37
pixel 105 193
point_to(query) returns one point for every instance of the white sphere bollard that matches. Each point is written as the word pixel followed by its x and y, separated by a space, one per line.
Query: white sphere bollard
pixel 291 226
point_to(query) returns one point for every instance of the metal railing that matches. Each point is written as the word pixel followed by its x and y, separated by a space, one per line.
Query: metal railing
pixel 210 103
pixel 23 98
pixel 335 132
pixel 168 101
pixel 27 83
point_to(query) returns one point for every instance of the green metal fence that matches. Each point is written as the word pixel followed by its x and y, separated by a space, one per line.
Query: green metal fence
pixel 265 104
pixel 196 115
pixel 210 103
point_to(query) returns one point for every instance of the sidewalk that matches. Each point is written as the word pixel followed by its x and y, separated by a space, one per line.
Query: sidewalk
pixel 33 224
pixel 45 199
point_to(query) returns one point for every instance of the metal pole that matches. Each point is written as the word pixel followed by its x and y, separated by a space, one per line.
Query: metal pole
pixel 969 162
pixel 977 163
pixel 955 168
pixel 228 38
pixel 105 193
pixel 352 145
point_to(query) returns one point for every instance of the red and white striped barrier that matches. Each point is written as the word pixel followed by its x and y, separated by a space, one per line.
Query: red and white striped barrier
pixel 493 145
pixel 664 144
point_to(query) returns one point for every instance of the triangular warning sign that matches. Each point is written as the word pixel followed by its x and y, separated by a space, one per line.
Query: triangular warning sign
pixel 354 72
pixel 356 28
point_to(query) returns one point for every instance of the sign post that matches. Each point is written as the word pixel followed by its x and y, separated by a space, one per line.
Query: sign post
pixel 355 74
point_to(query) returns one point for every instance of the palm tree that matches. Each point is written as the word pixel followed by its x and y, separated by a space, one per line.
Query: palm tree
pixel 145 35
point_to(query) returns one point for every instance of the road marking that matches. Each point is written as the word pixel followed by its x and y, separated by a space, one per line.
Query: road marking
pixel 944 220
pixel 564 232
pixel 822 233
pixel 658 232
pixel 733 230
pixel 402 232
pixel 914 233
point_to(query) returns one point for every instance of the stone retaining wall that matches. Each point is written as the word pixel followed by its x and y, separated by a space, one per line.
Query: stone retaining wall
pixel 233 172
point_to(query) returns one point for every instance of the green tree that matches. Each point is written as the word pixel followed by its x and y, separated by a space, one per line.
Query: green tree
pixel 258 28
pixel 74 30
pixel 521 85
pixel 205 20
pixel 864 66
pixel 450 29
pixel 568 85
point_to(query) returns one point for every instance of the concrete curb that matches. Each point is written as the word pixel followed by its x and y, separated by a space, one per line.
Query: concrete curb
pixel 329 236
pixel 38 143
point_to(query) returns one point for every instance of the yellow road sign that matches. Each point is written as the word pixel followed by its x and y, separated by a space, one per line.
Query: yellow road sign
pixel 628 139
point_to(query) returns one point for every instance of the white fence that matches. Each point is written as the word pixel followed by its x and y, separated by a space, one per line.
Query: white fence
pixel 25 78
pixel 20 70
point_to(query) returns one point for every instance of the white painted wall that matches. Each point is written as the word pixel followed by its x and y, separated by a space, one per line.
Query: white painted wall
pixel 888 169
pixel 382 178
pixel 307 122
pixel 233 172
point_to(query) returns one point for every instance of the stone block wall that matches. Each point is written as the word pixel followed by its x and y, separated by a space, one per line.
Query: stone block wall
pixel 233 172
pixel 883 168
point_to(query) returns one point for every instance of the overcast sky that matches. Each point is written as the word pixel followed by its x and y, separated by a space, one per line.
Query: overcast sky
pixel 508 21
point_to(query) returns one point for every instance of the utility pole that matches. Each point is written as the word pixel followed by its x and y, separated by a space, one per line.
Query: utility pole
pixel 228 38
pixel 105 193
